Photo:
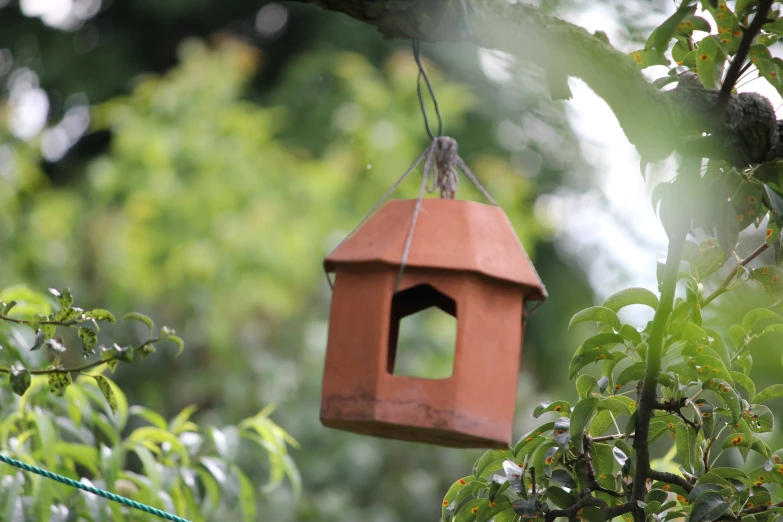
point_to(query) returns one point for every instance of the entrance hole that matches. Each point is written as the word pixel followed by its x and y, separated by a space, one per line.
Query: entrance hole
pixel 423 333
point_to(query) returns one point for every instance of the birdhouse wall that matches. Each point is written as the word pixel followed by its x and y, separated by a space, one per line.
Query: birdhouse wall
pixel 473 407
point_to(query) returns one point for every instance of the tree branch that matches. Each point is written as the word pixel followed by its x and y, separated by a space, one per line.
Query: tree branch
pixel 725 283
pixel 670 478
pixel 592 482
pixel 648 395
pixel 558 47
pixel 735 69
pixel 673 406
pixel 608 511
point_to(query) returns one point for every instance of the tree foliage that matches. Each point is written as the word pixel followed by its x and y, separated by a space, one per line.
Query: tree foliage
pixel 675 379
pixel 75 421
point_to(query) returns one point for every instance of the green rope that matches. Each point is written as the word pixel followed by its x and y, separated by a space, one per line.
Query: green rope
pixel 95 491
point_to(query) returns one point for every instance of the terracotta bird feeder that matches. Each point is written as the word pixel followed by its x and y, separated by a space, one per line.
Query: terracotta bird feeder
pixel 465 259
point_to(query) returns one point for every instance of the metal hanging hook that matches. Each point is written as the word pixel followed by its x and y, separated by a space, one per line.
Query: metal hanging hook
pixel 423 74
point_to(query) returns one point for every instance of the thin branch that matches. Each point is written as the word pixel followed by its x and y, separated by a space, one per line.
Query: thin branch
pixel 533 480
pixel 751 511
pixel 29 322
pixel 592 482
pixel 707 454
pixel 673 406
pixel 670 478
pixel 724 285
pixel 85 367
pixel 748 35
pixel 608 511
pixel 604 438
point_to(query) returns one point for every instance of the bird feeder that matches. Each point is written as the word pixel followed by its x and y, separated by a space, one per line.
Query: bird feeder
pixel 464 259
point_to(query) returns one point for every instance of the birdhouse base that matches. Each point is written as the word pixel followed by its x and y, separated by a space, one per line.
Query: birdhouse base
pixel 391 420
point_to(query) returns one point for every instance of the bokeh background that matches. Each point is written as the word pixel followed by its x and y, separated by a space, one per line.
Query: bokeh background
pixel 196 160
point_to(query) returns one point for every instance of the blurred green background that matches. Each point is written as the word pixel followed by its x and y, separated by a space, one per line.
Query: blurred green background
pixel 196 161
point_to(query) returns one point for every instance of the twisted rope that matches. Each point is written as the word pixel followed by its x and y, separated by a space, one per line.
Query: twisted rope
pixel 89 489
pixel 442 153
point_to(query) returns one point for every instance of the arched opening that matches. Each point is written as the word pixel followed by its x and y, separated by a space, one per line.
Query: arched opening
pixel 423 333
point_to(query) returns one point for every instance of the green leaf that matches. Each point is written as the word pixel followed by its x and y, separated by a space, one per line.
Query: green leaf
pixel 89 339
pixel 580 361
pixel 746 382
pixel 28 302
pixel 108 393
pixel 630 334
pixel 760 418
pixel 561 407
pixel 508 515
pixel 648 57
pixel 58 382
pixel 772 392
pixel 580 417
pixel 727 395
pixel 762 58
pixel 136 316
pixel 559 497
pixel 598 314
pixel 466 514
pixel 108 356
pixel 771 279
pixel 490 462
pixel 710 367
pixel 631 373
pixel 487 511
pixel 693 333
pixel 603 460
pixel 709 506
pixel 707 412
pixel 729 473
pixel 99 314
pixel 631 296
pixel 150 465
pixel 247 495
pixel 602 341
pixel 584 384
pixel 601 422
pixel 686 446
pixel 158 436
pixel 150 416
pixel 5 308
pixel 614 405
pixel 713 256
pixel 19 379
pixel 176 340
pixel 659 39
pixel 737 336
pixel 657 428
pixel 683 55
pixel 64 298
pixel 759 314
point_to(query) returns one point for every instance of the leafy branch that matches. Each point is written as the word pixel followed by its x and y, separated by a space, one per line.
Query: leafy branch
pixel 736 68
pixel 731 275
pixel 45 326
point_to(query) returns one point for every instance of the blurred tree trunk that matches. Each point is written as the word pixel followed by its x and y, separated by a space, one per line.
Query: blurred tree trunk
pixel 560 48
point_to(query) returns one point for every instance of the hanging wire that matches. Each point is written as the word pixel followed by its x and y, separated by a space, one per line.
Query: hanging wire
pixel 423 74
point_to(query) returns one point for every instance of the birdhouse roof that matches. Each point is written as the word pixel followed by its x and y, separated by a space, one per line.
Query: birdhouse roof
pixel 450 234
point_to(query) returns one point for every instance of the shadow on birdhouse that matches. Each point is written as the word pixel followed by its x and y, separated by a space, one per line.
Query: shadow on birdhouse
pixel 465 260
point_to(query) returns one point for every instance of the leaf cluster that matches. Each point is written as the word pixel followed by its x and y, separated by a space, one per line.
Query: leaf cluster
pixel 76 422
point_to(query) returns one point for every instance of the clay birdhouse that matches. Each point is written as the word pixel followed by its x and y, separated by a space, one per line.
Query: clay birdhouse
pixel 464 259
